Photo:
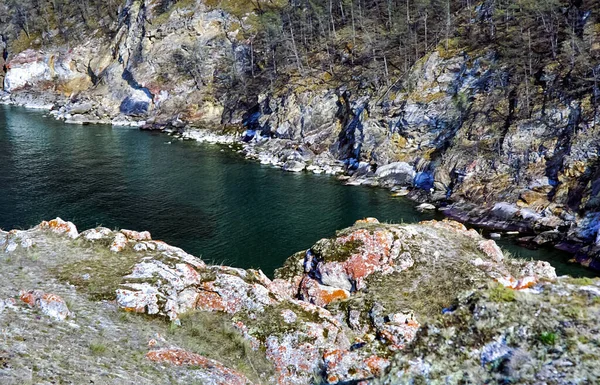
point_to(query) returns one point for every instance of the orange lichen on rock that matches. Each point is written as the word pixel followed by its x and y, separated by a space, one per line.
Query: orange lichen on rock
pixel 343 365
pixel 29 298
pixel 373 254
pixel 398 335
pixel 377 365
pixel 59 226
pixel 526 283
pixel 119 243
pixel 50 304
pixel 209 300
pixel 213 370
pixel 331 358
pixel 518 284
pixel 321 295
pixel 491 249
pixel 137 236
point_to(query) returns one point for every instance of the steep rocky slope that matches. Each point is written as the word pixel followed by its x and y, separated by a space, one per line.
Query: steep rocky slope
pixel 432 302
pixel 496 122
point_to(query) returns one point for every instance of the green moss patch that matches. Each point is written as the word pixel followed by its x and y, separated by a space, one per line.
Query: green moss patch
pixel 100 274
pixel 212 335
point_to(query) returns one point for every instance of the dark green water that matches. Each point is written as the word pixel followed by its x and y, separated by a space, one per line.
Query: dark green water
pixel 205 199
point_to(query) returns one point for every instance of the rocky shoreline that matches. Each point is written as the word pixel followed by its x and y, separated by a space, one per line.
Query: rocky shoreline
pixel 359 307
pixel 447 132
pixel 533 229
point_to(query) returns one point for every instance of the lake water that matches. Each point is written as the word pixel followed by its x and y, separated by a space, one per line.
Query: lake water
pixel 205 199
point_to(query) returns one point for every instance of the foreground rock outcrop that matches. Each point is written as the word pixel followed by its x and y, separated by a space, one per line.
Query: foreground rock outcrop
pixel 432 302
pixel 461 125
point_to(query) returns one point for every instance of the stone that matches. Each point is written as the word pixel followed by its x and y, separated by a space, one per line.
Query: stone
pixel 8 303
pixel 494 351
pixel 367 252
pixel 294 166
pixel 400 173
pixel 505 210
pixel 518 284
pixel 50 304
pixel 400 193
pixel 210 372
pixel 137 236
pixel 96 234
pixel 232 294
pixel 321 295
pixel 367 221
pixel 345 365
pixel 138 298
pixel 491 249
pixel 399 334
pixel 425 207
pixel 297 353
pixel 59 226
pixel 119 243
pixel 548 237
pixel 80 108
pixel 14 239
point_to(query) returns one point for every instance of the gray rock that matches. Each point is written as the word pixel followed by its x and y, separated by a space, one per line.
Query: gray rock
pixel 425 207
pixel 399 172
pixel 505 210
pixel 294 166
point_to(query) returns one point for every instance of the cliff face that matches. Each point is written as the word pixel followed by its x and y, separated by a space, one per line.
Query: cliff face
pixel 378 303
pixel 503 134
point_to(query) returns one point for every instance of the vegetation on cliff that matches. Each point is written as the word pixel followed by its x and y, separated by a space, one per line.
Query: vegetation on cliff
pixel 334 42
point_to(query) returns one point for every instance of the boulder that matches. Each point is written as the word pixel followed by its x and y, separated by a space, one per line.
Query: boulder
pixel 96 234
pixel 294 166
pixel 50 304
pixel 425 207
pixel 59 226
pixel 400 173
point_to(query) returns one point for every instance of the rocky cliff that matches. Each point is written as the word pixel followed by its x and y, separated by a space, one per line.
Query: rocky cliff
pixel 377 303
pixel 496 123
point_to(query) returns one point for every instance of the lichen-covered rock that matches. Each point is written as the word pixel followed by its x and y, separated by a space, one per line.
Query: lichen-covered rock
pixel 497 334
pixel 209 372
pixel 50 304
pixel 295 335
pixel 137 236
pixel 431 302
pixel 59 226
pixel 319 294
pixel 8 303
pixel 10 241
pixel 491 249
pixel 96 234
pixel 345 262
pixel 347 365
pixel 174 283
pixel 119 243
pixel 139 298
pixel 231 294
